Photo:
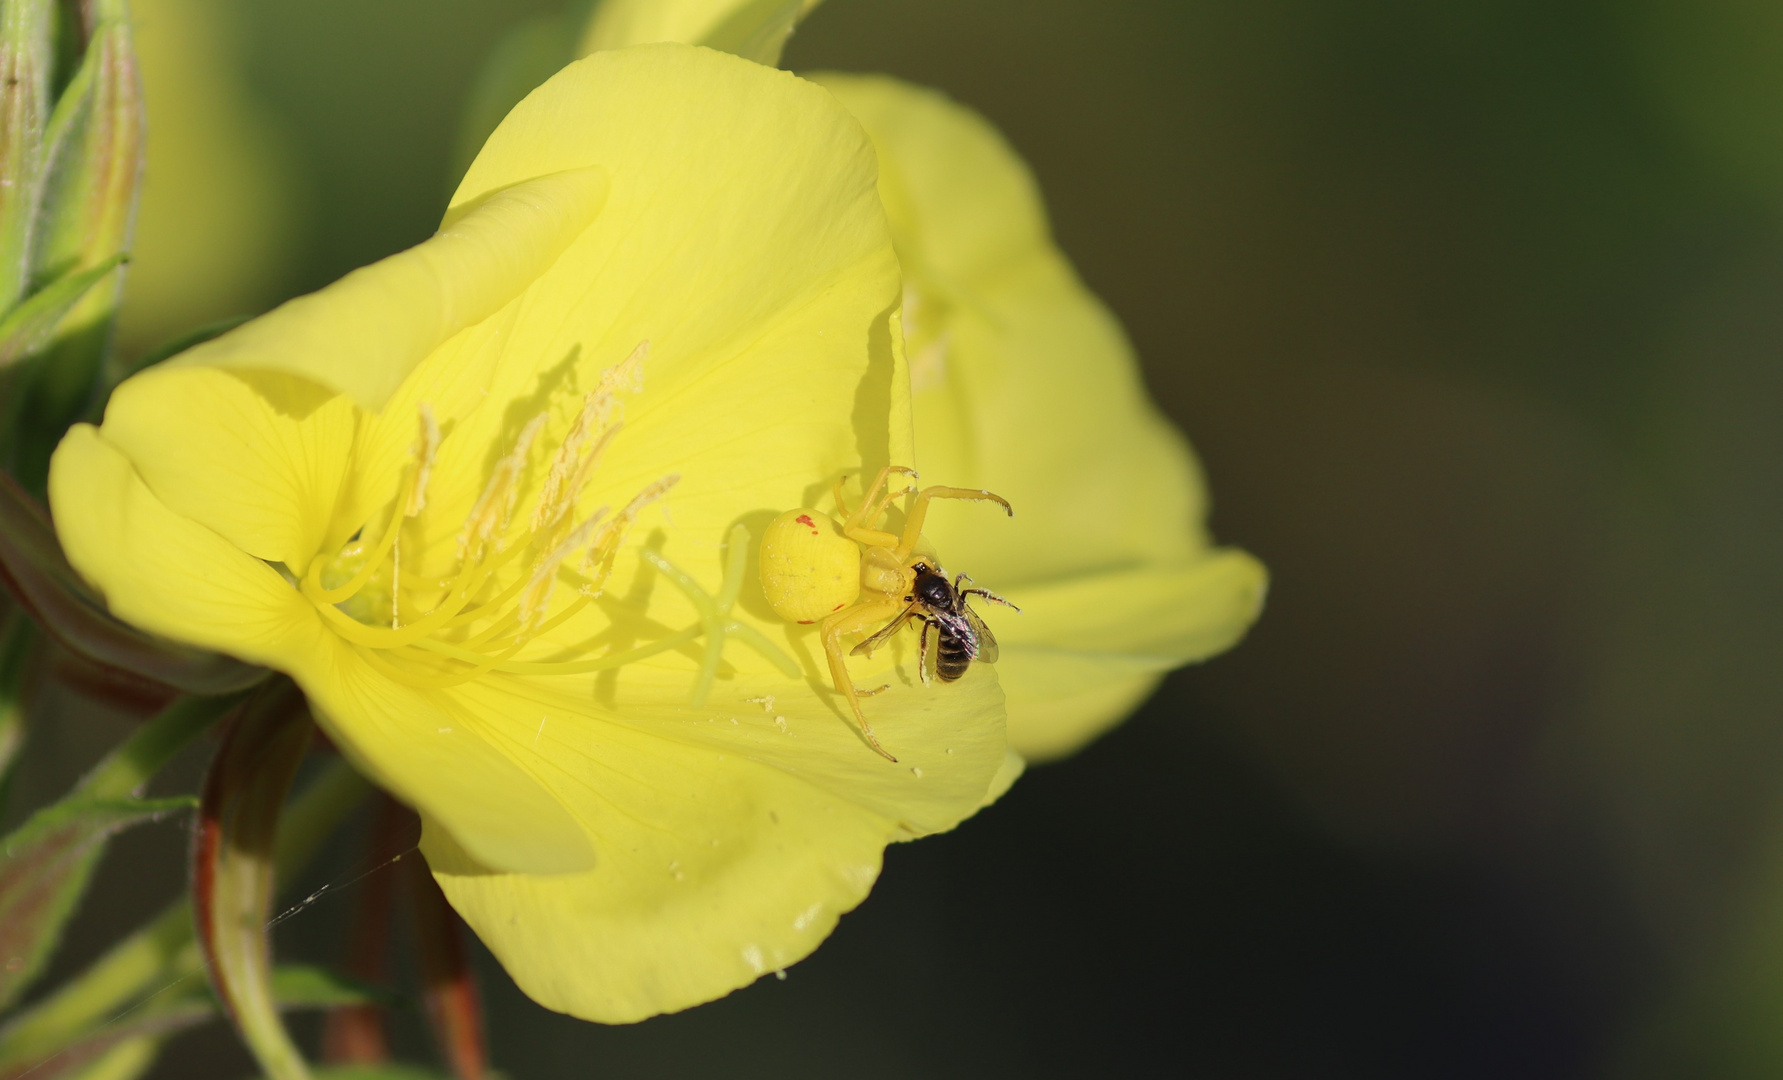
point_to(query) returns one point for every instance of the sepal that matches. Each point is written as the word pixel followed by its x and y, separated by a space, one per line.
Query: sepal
pixel 233 853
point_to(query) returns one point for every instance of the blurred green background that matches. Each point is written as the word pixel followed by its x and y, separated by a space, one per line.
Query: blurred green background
pixel 1472 309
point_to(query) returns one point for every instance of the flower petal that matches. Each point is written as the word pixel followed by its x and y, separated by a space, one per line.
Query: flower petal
pixel 173 576
pixel 363 334
pixel 266 467
pixel 162 572
pixel 1025 385
pixel 720 24
pixel 729 839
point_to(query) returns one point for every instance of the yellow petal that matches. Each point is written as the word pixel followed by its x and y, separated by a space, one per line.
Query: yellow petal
pixel 1025 385
pixel 742 239
pixel 265 471
pixel 165 573
pixel 730 839
pixel 754 29
pixel 170 575
pixel 366 332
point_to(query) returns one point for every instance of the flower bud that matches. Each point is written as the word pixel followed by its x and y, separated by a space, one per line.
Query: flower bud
pixel 92 152
pixel 26 60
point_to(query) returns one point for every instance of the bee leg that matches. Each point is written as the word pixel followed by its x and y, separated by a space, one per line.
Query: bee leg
pixel 847 621
pixel 988 595
pixel 922 653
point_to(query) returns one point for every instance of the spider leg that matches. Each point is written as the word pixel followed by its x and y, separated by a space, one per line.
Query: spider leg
pixel 920 508
pixel 870 496
pixel 847 621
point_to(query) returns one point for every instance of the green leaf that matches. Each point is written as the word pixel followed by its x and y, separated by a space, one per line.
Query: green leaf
pixel 44 868
pixel 132 1039
pixel 305 986
pixel 102 1055
pixel 233 861
pixel 45 863
pixel 163 952
pixel 126 1060
pixel 36 573
pixel 28 326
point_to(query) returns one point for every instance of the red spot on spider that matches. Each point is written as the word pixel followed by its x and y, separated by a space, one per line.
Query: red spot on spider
pixel 806 622
pixel 838 607
pixel 805 520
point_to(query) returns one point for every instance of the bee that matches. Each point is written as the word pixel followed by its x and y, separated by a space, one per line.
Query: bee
pixel 961 637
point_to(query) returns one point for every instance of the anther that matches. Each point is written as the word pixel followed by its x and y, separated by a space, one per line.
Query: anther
pixel 494 507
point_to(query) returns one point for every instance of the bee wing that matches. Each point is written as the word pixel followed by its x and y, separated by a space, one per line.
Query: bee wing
pixel 987 641
pixel 866 647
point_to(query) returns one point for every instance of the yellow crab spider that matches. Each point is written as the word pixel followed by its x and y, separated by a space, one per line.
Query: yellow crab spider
pixel 850 576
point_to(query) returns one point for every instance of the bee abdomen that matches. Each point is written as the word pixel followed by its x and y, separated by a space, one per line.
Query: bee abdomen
pixel 951 658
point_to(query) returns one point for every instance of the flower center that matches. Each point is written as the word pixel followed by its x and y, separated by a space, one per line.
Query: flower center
pixel 499 594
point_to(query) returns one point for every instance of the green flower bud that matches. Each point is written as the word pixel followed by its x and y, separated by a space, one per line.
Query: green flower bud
pixel 26 61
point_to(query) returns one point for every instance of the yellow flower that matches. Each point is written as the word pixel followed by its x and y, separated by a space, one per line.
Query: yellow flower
pixel 756 29
pixel 1023 383
pixel 489 502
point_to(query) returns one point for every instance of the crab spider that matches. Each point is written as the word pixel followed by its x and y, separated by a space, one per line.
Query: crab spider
pixel 851 576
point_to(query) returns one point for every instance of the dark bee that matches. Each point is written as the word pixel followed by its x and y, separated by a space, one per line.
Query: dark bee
pixel 960 635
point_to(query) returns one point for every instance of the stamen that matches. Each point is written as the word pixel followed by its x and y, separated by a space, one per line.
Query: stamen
pixel 597 565
pixel 569 468
pixel 558 501
pixel 495 507
pixel 412 493
pixel 537 597
pixel 519 611
pixel 427 447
